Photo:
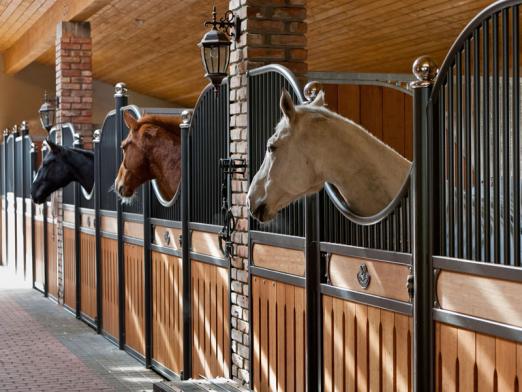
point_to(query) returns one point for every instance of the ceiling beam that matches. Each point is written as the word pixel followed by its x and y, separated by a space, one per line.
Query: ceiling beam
pixel 41 35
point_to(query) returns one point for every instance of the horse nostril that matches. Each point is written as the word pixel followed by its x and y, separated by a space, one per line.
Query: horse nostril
pixel 260 211
pixel 120 189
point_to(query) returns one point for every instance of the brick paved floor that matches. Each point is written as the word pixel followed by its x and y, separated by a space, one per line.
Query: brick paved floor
pixel 44 348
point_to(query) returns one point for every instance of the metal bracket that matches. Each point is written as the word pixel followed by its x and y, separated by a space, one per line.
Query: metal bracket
pixel 327 258
pixel 363 276
pixel 180 240
pixel 436 274
pixel 166 237
pixel 410 285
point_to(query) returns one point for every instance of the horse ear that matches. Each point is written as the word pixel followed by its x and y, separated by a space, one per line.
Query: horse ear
pixel 130 121
pixel 55 148
pixel 287 105
pixel 319 99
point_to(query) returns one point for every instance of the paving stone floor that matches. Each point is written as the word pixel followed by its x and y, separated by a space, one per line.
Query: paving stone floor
pixel 44 348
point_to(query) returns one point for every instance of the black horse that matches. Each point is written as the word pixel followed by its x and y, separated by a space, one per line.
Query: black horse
pixel 60 167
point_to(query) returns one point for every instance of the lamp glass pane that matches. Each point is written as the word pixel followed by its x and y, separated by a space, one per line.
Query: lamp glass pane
pixel 224 55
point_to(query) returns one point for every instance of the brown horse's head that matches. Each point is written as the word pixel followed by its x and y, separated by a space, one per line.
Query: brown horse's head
pixel 150 151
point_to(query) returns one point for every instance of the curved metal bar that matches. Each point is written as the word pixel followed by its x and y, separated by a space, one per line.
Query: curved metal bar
pixel 140 112
pixel 341 204
pixel 286 73
pixel 467 33
pixel 87 196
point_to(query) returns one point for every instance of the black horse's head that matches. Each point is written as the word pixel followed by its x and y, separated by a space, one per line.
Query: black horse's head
pixel 60 167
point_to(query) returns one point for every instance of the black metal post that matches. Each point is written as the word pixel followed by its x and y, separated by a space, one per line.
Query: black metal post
pixel 15 233
pixel 147 263
pixel 77 246
pixel 423 169
pixel 313 294
pixel 97 230
pixel 33 244
pixel 120 100
pixel 185 238
pixel 4 163
pixel 24 131
pixel 45 235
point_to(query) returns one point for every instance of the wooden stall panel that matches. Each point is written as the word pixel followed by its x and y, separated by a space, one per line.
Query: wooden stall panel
pixel 88 275
pixel 20 234
pixel 11 244
pixel 365 348
pixel 29 274
pixel 488 298
pixel 210 321
pixel 206 243
pixel 87 220
pixel 133 229
pixel 134 298
pixel 109 263
pixel 279 336
pixel 52 262
pixel 108 224
pixel 39 273
pixel 4 239
pixel 69 264
pixel 387 279
pixel 290 261
pixel 167 236
pixel 470 361
pixel 167 311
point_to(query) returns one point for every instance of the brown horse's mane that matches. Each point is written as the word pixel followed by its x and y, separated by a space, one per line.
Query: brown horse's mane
pixel 169 123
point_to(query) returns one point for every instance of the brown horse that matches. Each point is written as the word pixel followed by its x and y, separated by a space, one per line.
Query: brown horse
pixel 152 150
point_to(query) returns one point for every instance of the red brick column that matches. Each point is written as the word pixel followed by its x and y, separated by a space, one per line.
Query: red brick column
pixel 273 31
pixel 74 89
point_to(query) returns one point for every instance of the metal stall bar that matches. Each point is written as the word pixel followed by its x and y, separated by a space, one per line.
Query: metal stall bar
pixel 77 143
pixel 97 229
pixel 147 273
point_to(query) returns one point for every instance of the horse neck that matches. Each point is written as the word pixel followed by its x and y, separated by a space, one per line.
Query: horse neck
pixel 165 161
pixel 367 172
pixel 82 167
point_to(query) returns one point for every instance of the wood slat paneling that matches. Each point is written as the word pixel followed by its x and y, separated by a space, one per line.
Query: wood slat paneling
pixel 365 347
pixel 210 321
pixel 206 243
pixel 52 262
pixel 39 273
pixel 167 311
pixel 69 265
pixel 290 261
pixel 88 274
pixel 133 229
pixel 279 336
pixel 109 263
pixel 134 298
pixel 471 361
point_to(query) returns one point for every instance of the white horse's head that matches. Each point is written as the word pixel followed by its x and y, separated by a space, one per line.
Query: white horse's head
pixel 277 183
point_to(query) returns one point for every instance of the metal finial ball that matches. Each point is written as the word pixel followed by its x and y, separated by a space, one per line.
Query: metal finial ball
pixel 120 89
pixel 186 116
pixel 425 68
pixel 96 135
pixel 311 90
pixel 6 131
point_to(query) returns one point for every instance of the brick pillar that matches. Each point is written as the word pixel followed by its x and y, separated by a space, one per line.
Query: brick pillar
pixel 273 31
pixel 74 89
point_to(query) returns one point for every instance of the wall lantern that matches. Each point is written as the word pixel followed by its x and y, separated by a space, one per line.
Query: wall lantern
pixel 215 46
pixel 48 111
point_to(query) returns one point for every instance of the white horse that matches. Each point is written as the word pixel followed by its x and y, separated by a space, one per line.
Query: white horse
pixel 313 145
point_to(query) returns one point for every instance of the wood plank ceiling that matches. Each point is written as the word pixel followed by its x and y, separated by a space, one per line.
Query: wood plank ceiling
pixel 151 45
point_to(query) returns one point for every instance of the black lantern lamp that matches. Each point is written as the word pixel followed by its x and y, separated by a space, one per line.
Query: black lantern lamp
pixel 215 46
pixel 48 112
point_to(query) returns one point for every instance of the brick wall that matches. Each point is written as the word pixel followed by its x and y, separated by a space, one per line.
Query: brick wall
pixel 273 31
pixel 74 88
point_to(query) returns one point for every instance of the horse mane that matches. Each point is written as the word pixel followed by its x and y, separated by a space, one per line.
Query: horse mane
pixel 83 151
pixel 169 123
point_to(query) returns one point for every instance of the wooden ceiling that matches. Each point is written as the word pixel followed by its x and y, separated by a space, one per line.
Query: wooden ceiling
pixel 383 35
pixel 151 45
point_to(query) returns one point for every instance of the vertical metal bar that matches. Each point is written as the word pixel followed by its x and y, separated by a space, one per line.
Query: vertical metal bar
pixel 147 274
pixel 97 229
pixel 45 235
pixel 496 144
pixel 451 166
pixel 516 136
pixel 120 100
pixel 460 187
pixel 4 173
pixel 185 235
pixel 442 173
pixel 505 137
pixel 77 248
pixel 33 244
pixel 313 294
pixel 423 230
pixel 486 140
pixel 24 131
pixel 468 161
pixel 477 160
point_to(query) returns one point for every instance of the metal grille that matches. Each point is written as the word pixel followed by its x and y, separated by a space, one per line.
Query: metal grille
pixel 172 213
pixel 19 179
pixel 10 163
pixel 476 111
pixel 67 141
pixel 109 165
pixel 208 144
pixel 264 113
